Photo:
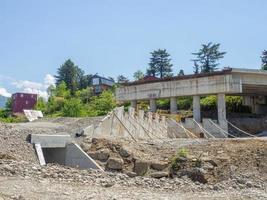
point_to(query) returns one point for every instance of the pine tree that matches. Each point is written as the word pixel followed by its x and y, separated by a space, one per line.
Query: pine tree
pixel 70 74
pixel 208 56
pixel 181 72
pixel 264 60
pixel 122 79
pixel 196 67
pixel 160 64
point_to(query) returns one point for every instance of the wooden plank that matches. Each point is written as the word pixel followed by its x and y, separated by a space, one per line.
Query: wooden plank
pixel 40 154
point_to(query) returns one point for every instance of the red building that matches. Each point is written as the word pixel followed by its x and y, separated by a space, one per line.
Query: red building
pixel 23 101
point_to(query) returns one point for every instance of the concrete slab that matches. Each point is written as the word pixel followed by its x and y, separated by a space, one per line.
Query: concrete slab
pixel 50 141
pixel 40 154
pixel 76 157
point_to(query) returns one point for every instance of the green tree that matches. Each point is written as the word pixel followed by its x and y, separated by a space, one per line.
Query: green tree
pixel 208 56
pixel 70 74
pixel 41 105
pixel 264 60
pixel 122 79
pixel 85 94
pixel 102 104
pixel 181 72
pixel 196 67
pixel 138 75
pixel 8 105
pixel 160 64
pixel 85 81
pixel 62 91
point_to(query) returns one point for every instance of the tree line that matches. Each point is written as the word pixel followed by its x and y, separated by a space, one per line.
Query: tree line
pixel 206 60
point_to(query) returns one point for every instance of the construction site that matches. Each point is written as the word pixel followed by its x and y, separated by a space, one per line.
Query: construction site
pixel 135 154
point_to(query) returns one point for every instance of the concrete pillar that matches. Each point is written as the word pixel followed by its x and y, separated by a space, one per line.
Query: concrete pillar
pixel 173 105
pixel 134 104
pixel 196 108
pixel 152 105
pixel 221 107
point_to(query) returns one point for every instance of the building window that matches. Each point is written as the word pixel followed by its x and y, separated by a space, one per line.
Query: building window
pixel 95 81
pixel 21 95
pixel 27 102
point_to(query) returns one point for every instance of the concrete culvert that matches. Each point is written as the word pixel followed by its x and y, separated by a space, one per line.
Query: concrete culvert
pixel 61 150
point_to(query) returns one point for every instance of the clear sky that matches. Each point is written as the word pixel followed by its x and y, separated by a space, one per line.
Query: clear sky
pixel 115 37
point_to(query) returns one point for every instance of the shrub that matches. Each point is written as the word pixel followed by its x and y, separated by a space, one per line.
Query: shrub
pixel 102 104
pixel 72 108
pixel 179 158
pixel 184 103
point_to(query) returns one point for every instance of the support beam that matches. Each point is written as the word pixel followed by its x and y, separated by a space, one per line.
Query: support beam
pixel 134 104
pixel 173 105
pixel 196 108
pixel 221 107
pixel 152 105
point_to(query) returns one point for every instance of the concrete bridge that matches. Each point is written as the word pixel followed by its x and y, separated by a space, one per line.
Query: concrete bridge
pixel 250 83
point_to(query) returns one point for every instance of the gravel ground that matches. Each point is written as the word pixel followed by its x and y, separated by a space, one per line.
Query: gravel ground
pixel 241 172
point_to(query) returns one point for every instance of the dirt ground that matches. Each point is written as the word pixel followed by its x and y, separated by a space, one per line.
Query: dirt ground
pixel 230 168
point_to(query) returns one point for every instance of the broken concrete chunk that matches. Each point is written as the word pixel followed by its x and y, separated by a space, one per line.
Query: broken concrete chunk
pixel 115 163
pixel 141 167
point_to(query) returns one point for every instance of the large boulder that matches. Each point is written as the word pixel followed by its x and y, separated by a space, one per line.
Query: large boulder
pixel 124 152
pixel 159 165
pixel 115 163
pixel 102 154
pixel 140 167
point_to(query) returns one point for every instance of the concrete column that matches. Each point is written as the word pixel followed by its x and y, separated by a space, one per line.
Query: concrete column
pixel 221 107
pixel 152 105
pixel 173 105
pixel 134 104
pixel 196 108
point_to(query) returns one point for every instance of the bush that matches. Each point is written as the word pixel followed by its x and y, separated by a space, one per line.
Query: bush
pixel 185 103
pixel 163 104
pixel 72 108
pixel 179 158
pixel 233 104
pixel 102 104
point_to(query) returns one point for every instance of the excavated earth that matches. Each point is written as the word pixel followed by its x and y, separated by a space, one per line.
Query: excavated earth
pixel 155 169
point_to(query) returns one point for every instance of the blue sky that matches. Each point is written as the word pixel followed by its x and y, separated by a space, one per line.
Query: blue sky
pixel 115 37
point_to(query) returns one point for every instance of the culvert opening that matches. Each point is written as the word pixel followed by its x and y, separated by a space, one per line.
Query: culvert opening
pixel 54 155
pixel 62 150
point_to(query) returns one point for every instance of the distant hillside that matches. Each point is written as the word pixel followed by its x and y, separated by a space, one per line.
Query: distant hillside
pixel 3 101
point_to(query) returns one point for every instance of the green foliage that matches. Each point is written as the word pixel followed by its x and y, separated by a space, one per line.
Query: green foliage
pixel 55 104
pixel 102 104
pixel 8 105
pixel 179 158
pixel 209 103
pixel 41 105
pixel 7 118
pixel 62 91
pixel 122 79
pixel 181 72
pixel 233 104
pixel 73 76
pixel 184 103
pixel 160 64
pixel 207 58
pixel 72 108
pixel 264 60
pixel 163 104
pixel 138 75
pixel 85 94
